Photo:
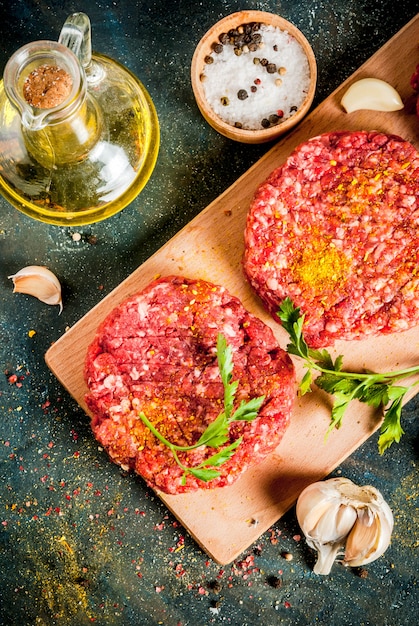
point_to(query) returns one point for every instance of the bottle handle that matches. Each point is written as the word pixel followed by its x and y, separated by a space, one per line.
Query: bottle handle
pixel 76 35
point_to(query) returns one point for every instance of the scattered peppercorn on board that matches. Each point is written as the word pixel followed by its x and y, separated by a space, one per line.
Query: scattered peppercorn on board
pixel 226 521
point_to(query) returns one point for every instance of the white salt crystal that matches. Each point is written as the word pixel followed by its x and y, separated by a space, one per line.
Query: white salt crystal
pixel 230 73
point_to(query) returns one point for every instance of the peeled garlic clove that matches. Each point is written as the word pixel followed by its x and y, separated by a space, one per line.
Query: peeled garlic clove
pixel 40 282
pixel 373 94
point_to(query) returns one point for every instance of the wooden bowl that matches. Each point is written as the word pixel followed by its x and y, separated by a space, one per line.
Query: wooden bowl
pixel 204 49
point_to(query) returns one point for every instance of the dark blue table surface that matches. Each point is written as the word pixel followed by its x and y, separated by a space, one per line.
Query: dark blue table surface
pixel 80 542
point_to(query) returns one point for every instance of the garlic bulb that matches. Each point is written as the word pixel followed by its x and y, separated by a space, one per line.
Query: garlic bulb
pixel 373 94
pixel 38 281
pixel 338 518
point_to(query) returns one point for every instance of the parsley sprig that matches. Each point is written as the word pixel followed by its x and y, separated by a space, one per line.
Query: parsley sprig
pixel 376 390
pixel 217 432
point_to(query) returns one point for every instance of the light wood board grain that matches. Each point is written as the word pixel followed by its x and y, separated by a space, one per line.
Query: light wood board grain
pixel 225 522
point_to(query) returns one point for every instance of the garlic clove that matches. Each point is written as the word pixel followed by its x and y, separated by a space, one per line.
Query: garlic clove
pixel 326 532
pixel 362 542
pixel 373 94
pixel 40 282
pixel 369 540
pixel 327 554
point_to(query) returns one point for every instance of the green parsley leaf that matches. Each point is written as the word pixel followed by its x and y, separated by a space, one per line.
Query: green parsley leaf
pixel 224 455
pixel 306 382
pixel 248 410
pixel 216 433
pixel 391 429
pixel 202 474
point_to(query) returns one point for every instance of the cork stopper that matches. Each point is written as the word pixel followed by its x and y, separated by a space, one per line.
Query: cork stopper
pixel 47 86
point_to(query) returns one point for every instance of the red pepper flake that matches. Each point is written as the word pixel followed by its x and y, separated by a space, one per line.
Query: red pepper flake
pixel 180 571
pixel 76 454
pixel 12 379
pixel 159 589
pixel 273 538
pixel 287 604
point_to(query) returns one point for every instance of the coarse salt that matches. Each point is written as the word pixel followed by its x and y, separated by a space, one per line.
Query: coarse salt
pixel 279 94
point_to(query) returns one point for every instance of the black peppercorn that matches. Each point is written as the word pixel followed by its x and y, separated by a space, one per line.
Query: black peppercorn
pixel 274 581
pixel 217 47
pixel 242 94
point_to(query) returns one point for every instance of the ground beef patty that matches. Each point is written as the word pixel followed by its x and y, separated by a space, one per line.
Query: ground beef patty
pixel 156 353
pixel 336 229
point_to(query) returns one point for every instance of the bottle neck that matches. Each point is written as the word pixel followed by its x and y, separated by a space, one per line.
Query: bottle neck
pixel 47 84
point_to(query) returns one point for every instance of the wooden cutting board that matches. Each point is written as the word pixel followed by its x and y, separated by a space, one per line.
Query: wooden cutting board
pixel 226 521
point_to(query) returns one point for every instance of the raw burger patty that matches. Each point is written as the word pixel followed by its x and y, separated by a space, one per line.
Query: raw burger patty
pixel 156 353
pixel 336 229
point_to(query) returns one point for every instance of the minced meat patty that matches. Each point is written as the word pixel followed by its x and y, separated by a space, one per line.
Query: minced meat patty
pixel 156 353
pixel 336 229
